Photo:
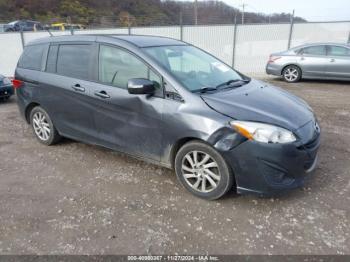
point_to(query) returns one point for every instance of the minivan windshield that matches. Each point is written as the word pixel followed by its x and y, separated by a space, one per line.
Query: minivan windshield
pixel 195 69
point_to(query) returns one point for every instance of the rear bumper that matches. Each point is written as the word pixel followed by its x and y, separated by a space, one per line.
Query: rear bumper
pixel 273 69
pixel 271 169
pixel 6 91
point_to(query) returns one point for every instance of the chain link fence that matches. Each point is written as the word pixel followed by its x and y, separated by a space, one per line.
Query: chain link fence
pixel 245 47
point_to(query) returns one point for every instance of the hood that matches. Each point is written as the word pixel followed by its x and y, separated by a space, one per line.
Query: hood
pixel 8 26
pixel 260 102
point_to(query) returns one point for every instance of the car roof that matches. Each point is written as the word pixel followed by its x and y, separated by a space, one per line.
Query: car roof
pixel 136 40
pixel 322 43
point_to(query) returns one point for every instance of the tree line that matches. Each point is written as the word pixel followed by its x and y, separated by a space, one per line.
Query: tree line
pixel 103 13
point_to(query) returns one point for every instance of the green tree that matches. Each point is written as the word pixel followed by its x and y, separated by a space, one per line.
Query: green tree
pixel 76 11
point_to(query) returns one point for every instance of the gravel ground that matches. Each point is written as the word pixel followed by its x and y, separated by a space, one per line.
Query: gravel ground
pixel 74 198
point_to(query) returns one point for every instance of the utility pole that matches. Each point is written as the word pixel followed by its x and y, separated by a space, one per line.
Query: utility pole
pixel 195 12
pixel 243 8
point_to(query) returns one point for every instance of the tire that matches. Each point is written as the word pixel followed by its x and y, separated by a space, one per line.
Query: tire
pixel 42 126
pixel 193 175
pixel 291 74
pixel 5 99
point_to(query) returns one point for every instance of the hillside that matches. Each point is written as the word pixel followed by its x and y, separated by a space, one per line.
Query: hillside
pixel 102 13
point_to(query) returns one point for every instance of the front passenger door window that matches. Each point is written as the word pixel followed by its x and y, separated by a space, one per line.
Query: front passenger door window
pixel 338 51
pixel 117 67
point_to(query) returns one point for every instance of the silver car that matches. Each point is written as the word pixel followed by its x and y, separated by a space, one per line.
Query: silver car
pixel 312 61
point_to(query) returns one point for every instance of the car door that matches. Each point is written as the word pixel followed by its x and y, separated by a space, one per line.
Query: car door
pixel 28 26
pixel 338 65
pixel 66 88
pixel 313 60
pixel 127 122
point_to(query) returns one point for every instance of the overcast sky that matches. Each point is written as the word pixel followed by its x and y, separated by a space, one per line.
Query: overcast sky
pixel 312 10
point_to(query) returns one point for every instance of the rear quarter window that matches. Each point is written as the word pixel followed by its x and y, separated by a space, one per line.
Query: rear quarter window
pixel 32 57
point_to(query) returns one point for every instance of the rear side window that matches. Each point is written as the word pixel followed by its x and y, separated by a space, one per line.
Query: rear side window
pixel 32 57
pixel 319 50
pixel 74 60
pixel 338 51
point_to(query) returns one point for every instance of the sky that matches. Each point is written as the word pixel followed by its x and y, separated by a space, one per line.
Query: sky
pixel 311 10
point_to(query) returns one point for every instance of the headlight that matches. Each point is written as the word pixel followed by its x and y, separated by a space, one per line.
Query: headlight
pixel 6 81
pixel 263 133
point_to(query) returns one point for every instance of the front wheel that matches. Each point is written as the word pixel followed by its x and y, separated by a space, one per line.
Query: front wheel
pixel 291 74
pixel 203 171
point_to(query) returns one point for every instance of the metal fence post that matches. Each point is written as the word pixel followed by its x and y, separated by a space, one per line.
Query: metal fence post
pixel 234 41
pixel 291 30
pixel 181 27
pixel 22 38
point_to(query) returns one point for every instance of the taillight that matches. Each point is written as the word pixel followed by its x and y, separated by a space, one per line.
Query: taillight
pixel 273 58
pixel 17 83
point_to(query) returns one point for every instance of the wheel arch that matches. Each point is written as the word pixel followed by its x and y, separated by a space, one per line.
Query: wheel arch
pixel 179 143
pixel 28 109
pixel 292 64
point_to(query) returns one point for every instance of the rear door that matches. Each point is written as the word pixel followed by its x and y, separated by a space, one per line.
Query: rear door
pixel 338 65
pixel 131 123
pixel 67 86
pixel 28 26
pixel 313 61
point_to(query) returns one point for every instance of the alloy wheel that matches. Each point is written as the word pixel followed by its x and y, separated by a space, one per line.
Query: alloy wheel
pixel 200 171
pixel 291 74
pixel 41 126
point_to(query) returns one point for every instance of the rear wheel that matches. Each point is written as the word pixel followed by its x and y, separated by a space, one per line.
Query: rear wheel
pixel 291 74
pixel 5 99
pixel 203 171
pixel 42 126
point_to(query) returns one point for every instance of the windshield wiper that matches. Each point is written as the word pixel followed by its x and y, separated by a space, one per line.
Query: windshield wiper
pixel 230 83
pixel 205 89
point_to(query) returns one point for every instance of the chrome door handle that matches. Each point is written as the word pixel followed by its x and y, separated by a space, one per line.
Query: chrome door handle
pixel 332 60
pixel 102 94
pixel 303 58
pixel 79 88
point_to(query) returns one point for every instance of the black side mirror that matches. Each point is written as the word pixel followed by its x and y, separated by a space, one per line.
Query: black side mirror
pixel 141 86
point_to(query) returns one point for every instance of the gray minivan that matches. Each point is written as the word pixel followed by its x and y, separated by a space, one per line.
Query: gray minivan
pixel 170 103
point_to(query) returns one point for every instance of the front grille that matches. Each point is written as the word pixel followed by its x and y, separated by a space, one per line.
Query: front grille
pixel 313 142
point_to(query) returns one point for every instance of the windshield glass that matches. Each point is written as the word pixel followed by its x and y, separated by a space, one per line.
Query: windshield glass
pixel 192 67
pixel 13 23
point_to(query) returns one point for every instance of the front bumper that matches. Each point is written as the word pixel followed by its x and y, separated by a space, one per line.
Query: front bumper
pixel 269 169
pixel 6 91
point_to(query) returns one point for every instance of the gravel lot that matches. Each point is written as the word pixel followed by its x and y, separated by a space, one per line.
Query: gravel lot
pixel 74 198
